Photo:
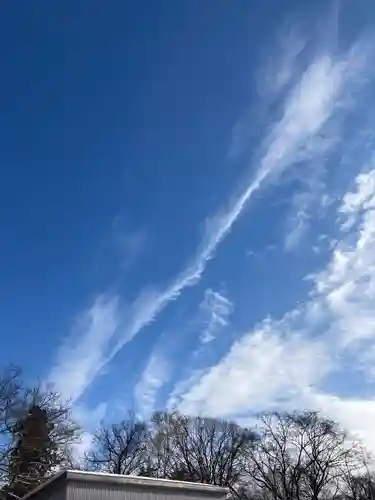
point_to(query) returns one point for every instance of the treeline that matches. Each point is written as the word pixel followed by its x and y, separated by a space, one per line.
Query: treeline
pixel 283 456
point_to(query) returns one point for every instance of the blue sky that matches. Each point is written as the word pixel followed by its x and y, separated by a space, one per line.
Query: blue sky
pixel 188 205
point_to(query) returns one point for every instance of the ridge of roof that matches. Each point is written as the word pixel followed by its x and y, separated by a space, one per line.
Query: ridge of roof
pixel 119 479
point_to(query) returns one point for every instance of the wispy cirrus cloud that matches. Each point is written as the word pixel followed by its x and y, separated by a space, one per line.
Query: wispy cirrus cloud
pixel 310 202
pixel 293 356
pixel 89 419
pixel 156 373
pixel 308 109
pixel 81 354
pixel 216 309
pixel 260 369
pixel 210 319
pixel 129 245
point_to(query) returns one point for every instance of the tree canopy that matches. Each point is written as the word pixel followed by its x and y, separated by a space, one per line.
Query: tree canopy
pixel 298 455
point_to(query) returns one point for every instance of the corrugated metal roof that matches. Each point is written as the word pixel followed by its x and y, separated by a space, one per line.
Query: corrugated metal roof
pixel 126 480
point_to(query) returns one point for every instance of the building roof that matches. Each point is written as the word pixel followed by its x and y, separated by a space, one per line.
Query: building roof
pixel 127 480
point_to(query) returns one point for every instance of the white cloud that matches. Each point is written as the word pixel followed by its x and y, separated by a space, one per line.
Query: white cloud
pixel 357 415
pixel 291 44
pixel 213 313
pixel 89 419
pixel 279 68
pixel 353 202
pixel 300 225
pixel 308 108
pixel 263 366
pixel 347 285
pixel 128 244
pixel 292 356
pixel 216 309
pixel 310 201
pixel 82 353
pixel 154 376
pixel 312 198
pixel 83 446
pixel 182 386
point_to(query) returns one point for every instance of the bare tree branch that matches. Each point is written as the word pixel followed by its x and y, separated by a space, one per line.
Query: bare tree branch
pixel 301 456
pixel 119 449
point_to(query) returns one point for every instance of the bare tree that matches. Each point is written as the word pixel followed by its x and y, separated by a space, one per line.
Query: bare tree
pixel 120 448
pixel 358 484
pixel 10 396
pixel 360 487
pixel 200 449
pixel 161 459
pixel 301 456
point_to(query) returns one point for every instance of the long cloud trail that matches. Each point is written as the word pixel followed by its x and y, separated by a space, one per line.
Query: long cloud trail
pixel 307 109
pixel 309 106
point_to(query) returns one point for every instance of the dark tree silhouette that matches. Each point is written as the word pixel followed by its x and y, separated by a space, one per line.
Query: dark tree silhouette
pixel 37 432
pixel 302 456
pixel 120 448
pixel 199 449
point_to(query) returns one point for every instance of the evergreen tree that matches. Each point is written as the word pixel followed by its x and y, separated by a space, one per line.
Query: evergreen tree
pixel 40 438
pixel 34 453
